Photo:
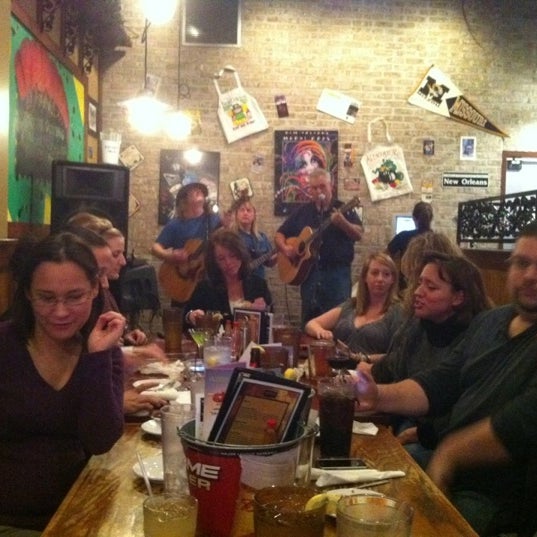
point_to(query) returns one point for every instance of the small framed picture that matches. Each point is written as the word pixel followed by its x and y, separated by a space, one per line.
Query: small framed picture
pixel 92 117
pixel 241 188
pixel 468 148
pixel 428 148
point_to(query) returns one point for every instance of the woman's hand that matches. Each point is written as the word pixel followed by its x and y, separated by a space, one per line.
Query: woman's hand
pixel 365 388
pixel 193 316
pixel 258 304
pixel 107 331
pixel 135 337
pixel 134 401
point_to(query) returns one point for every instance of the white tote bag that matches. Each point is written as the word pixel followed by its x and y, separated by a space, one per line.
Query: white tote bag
pixel 238 111
pixel 385 167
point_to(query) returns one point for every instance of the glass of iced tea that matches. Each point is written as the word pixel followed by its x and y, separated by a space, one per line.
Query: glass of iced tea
pixel 281 512
pixel 170 515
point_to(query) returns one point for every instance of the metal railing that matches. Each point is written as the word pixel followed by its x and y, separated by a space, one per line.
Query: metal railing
pixel 496 220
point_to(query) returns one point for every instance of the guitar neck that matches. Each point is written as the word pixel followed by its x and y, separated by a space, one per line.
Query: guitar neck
pixel 258 261
pixel 354 202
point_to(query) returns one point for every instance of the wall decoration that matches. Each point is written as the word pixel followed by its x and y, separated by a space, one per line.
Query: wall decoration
pixel 467 149
pixel 179 168
pixel 92 117
pixel 241 188
pixel 384 167
pixel 297 153
pixel 46 123
pixel 428 148
pixel 339 105
pixel 281 106
pixel 438 94
pixel 131 157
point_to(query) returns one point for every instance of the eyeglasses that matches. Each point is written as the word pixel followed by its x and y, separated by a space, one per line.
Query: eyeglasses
pixel 72 300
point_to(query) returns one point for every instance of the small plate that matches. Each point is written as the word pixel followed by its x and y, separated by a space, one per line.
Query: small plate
pixel 152 427
pixel 153 468
pixel 335 494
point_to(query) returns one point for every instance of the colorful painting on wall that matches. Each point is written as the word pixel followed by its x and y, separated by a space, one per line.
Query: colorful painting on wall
pixel 297 154
pixel 180 168
pixel 46 123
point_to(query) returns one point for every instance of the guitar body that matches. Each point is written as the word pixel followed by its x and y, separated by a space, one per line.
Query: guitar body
pixel 179 281
pixel 294 271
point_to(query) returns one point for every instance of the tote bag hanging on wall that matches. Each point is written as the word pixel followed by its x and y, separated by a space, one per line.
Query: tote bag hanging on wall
pixel 238 112
pixel 385 167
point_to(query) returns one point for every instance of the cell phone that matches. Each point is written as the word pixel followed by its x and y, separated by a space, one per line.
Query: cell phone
pixel 340 463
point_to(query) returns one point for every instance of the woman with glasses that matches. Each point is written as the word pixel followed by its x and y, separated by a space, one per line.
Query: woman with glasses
pixel 61 382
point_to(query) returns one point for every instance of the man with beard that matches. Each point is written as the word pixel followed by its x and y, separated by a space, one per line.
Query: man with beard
pixel 485 458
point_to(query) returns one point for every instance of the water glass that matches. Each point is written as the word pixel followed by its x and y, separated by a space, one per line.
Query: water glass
pixel 170 515
pixel 371 516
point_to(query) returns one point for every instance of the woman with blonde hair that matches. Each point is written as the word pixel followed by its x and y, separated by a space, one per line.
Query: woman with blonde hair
pixel 256 242
pixel 365 323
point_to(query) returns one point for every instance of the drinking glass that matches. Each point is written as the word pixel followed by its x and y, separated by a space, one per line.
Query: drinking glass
pixel 170 515
pixel 371 516
pixel 280 512
pixel 199 336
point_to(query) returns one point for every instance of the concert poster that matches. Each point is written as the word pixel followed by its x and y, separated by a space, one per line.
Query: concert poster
pixel 297 154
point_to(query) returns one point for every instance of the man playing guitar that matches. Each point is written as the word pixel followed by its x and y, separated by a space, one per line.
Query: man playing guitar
pixel 327 283
pixel 181 242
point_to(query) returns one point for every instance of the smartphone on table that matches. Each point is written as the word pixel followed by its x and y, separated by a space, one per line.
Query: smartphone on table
pixel 340 463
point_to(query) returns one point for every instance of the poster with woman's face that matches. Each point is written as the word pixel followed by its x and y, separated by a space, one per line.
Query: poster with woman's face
pixel 297 154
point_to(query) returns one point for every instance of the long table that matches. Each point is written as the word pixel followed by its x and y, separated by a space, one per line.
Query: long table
pixel 106 500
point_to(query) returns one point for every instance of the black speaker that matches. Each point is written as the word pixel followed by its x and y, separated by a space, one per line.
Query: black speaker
pixel 102 189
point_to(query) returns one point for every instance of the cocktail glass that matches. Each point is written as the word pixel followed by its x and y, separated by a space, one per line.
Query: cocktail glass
pixel 199 336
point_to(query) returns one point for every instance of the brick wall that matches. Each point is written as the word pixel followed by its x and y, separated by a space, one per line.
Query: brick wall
pixel 375 51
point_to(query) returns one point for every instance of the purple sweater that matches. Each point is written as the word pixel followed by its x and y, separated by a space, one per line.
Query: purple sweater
pixel 47 435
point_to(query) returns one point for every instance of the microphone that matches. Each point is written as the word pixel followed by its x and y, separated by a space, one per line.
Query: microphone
pixel 211 207
pixel 322 198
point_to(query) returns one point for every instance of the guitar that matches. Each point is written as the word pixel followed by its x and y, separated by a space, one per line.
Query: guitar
pixel 180 280
pixel 294 271
pixel 258 261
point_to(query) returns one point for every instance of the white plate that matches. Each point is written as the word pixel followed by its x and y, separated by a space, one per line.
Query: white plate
pixel 335 494
pixel 150 382
pixel 153 468
pixel 152 427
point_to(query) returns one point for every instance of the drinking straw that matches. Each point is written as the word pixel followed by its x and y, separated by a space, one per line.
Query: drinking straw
pixel 144 473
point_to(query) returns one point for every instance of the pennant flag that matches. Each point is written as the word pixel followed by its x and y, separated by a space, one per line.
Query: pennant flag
pixel 437 93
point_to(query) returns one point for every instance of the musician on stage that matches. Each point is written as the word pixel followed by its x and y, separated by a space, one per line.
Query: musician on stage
pixel 328 282
pixel 193 220
pixel 256 242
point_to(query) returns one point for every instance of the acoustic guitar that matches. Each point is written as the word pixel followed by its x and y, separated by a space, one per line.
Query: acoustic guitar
pixel 179 281
pixel 294 271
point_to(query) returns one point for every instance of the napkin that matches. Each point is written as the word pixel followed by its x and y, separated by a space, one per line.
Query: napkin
pixel 362 427
pixel 170 394
pixel 325 478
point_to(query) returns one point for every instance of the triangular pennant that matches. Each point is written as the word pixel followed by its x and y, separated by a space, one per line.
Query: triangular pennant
pixel 438 94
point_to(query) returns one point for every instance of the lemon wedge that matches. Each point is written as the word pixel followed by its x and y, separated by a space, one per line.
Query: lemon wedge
pixel 290 374
pixel 331 506
pixel 316 501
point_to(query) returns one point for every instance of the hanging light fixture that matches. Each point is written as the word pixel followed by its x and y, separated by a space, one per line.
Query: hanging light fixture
pixel 158 11
pixel 146 112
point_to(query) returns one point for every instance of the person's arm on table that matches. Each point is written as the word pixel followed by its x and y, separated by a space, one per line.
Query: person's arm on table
pixel 470 447
pixel 321 327
pixel 406 397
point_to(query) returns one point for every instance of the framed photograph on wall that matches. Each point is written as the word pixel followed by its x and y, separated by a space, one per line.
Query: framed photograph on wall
pixel 179 168
pixel 468 148
pixel 93 126
pixel 297 154
pixel 212 23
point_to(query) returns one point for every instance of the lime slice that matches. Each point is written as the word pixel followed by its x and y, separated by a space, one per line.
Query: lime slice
pixel 315 502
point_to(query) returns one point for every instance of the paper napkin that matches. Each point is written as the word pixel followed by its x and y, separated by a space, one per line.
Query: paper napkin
pixel 325 478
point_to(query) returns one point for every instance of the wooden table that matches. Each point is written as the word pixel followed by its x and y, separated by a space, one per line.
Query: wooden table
pixel 106 500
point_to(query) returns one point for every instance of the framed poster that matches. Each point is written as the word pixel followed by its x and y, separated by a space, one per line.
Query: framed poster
pixel 212 23
pixel 92 117
pixel 47 122
pixel 297 154
pixel 468 148
pixel 179 168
